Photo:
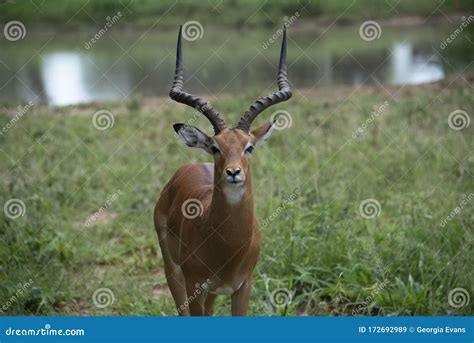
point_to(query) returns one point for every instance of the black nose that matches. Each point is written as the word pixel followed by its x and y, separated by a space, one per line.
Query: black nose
pixel 232 172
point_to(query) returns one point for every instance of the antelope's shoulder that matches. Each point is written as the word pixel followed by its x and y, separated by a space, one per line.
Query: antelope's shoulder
pixel 191 186
pixel 194 173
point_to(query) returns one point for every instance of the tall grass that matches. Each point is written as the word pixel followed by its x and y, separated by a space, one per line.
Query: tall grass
pixel 317 247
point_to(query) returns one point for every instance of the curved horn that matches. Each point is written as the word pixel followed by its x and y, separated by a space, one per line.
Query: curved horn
pixel 178 95
pixel 263 103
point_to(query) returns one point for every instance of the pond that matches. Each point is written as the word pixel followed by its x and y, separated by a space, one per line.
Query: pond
pixel 63 68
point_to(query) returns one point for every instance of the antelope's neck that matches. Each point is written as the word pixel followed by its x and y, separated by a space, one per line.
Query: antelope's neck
pixel 232 209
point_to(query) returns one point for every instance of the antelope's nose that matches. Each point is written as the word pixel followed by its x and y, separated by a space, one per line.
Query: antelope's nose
pixel 233 171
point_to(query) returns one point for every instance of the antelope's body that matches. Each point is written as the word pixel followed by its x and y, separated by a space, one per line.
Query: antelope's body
pixel 205 220
pixel 218 248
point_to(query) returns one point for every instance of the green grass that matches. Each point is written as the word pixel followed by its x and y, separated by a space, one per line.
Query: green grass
pixel 170 13
pixel 318 247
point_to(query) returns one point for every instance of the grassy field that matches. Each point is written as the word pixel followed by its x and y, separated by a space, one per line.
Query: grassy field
pixel 248 13
pixel 319 247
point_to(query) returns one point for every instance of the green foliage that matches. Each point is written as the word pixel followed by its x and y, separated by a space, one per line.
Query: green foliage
pixel 317 246
pixel 169 13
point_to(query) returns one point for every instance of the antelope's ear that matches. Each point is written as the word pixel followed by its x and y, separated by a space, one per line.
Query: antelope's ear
pixel 193 137
pixel 261 134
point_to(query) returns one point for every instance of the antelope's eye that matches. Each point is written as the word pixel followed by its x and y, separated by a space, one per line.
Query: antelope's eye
pixel 214 149
pixel 249 149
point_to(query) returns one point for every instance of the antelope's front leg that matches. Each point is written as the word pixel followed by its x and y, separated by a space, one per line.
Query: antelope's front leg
pixel 196 299
pixel 240 299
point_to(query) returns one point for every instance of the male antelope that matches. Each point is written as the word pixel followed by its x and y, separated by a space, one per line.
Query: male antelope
pixel 219 248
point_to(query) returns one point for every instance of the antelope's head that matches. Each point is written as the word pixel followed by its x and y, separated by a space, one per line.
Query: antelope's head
pixel 231 147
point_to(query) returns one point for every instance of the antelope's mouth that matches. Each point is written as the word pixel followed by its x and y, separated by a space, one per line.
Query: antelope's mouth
pixel 234 180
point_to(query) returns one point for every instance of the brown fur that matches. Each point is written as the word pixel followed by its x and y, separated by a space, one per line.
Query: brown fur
pixel 219 248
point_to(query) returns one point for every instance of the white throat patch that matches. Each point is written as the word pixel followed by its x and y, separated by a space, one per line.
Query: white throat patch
pixel 233 193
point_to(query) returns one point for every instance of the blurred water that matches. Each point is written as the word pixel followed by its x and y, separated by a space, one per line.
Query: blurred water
pixel 57 69
pixel 409 67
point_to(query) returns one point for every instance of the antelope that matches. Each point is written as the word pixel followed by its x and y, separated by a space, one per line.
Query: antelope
pixel 213 251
